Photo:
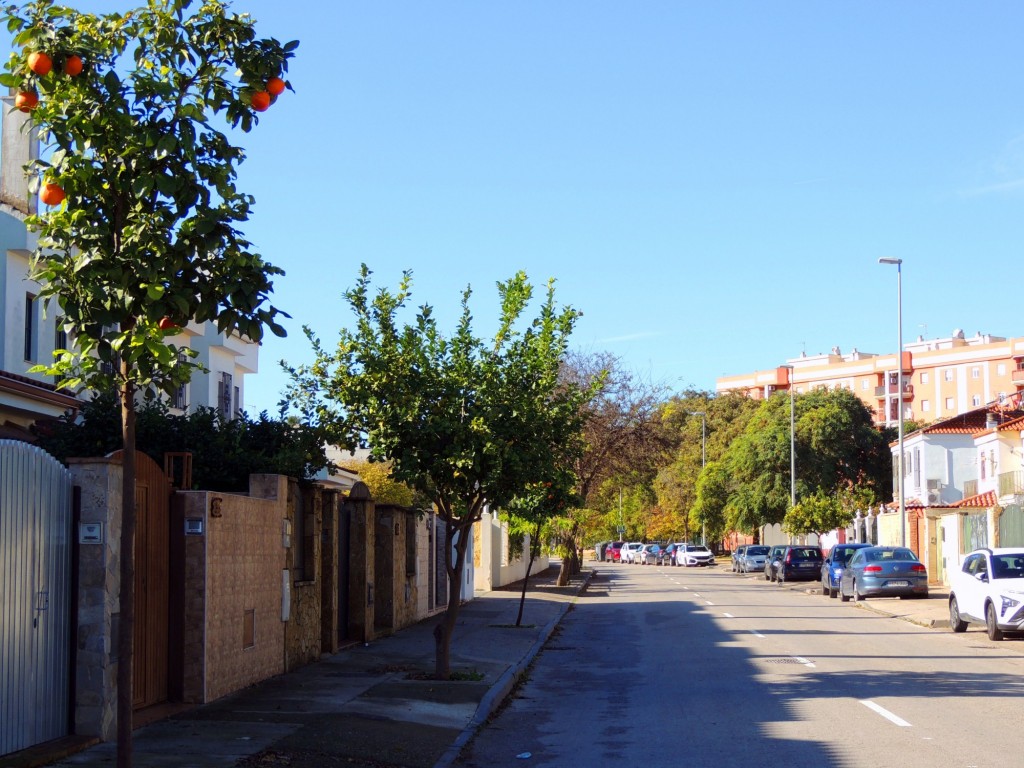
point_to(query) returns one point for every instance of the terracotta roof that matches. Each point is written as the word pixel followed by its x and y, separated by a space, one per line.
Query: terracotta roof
pixel 972 422
pixel 1013 424
pixel 39 390
pixel 981 501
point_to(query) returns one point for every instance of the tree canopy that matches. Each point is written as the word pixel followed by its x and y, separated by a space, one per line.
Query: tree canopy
pixel 468 423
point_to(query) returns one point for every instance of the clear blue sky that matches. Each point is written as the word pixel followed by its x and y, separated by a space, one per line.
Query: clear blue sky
pixel 712 183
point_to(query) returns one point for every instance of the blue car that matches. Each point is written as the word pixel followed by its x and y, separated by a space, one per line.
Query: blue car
pixel 833 566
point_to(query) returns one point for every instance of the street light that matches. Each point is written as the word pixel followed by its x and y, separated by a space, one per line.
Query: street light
pixel 792 439
pixel 703 462
pixel 899 389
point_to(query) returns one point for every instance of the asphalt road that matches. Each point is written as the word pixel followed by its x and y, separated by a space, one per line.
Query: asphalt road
pixel 702 667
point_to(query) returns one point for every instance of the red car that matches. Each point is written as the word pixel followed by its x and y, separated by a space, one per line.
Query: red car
pixel 613 552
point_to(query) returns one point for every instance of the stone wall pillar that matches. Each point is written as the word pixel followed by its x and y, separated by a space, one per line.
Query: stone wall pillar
pixel 361 563
pixel 329 576
pixel 99 586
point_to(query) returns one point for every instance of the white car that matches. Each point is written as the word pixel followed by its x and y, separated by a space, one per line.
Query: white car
pixel 693 554
pixel 629 551
pixel 989 590
pixel 648 554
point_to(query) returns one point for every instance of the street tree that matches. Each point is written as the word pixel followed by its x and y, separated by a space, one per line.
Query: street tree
pixel 837 448
pixel 140 233
pixel 469 423
pixel 816 513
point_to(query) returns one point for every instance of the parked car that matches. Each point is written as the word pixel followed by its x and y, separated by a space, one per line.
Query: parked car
pixel 737 556
pixel 753 558
pixel 989 590
pixel 835 562
pixel 771 562
pixel 693 554
pixel 648 554
pixel 883 572
pixel 667 555
pixel 629 551
pixel 612 552
pixel 800 563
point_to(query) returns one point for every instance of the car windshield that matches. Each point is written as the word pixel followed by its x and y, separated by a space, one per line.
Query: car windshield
pixel 1009 566
pixel 806 553
pixel 757 550
pixel 699 548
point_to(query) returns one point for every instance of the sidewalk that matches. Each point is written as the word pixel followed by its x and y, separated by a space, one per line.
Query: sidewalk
pixel 932 612
pixel 366 706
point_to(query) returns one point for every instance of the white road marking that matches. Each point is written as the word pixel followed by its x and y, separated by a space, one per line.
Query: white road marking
pixel 709 602
pixel 728 616
pixel 804 661
pixel 885 713
pixel 755 633
pixel 696 594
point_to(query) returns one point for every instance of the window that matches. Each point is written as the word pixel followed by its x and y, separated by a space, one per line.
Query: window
pixel 30 327
pixel 60 341
pixel 976 400
pixel 949 403
pixel 181 393
pixel 982 466
pixel 925 377
pixel 975 372
pixel 238 402
pixel 1001 369
pixel 224 392
pixel 948 374
pixel 926 406
pixel 916 456
pixel 865 384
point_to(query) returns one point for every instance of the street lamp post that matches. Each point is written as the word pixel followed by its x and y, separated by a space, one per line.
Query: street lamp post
pixel 792 439
pixel 703 462
pixel 899 390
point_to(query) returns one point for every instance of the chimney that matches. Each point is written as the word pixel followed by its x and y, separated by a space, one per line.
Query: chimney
pixel 20 145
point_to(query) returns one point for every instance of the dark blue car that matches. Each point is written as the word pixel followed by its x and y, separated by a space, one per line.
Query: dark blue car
pixel 834 564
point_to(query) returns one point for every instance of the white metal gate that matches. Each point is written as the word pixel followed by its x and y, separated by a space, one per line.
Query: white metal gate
pixel 35 578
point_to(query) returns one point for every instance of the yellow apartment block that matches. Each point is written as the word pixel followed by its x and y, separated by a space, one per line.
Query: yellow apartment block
pixel 941 377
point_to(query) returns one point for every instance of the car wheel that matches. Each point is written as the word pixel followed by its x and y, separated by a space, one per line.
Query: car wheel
pixel 857 596
pixel 994 632
pixel 832 592
pixel 842 595
pixel 824 588
pixel 767 577
pixel 956 623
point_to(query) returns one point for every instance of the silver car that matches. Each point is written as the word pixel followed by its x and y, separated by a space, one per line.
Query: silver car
pixel 883 572
pixel 753 559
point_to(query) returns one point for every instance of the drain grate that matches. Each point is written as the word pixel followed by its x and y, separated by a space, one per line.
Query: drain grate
pixel 782 661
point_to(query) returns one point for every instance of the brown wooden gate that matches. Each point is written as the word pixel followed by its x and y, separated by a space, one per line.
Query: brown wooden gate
pixel 152 561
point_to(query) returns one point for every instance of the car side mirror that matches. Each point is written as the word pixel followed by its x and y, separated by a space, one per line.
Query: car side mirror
pixel 983 577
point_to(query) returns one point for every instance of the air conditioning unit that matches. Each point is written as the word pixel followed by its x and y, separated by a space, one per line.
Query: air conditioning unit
pixel 934 497
pixel 934 484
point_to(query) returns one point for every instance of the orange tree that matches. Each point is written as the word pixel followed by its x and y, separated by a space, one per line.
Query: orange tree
pixel 466 422
pixel 143 236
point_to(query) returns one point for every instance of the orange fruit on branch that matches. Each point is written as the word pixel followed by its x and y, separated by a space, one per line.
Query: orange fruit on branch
pixel 260 101
pixel 26 101
pixel 166 324
pixel 275 86
pixel 51 194
pixel 73 65
pixel 40 63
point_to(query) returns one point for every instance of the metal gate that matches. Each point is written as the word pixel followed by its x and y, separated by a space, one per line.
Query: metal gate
pixel 1011 526
pixel 35 574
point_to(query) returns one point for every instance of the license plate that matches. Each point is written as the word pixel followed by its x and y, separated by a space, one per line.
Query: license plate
pixel 899 583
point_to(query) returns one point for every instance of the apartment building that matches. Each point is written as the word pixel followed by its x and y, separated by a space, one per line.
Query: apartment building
pixel 941 377
pixel 29 335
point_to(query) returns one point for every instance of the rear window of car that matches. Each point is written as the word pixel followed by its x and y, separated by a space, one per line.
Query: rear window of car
pixel 807 553
pixel 757 550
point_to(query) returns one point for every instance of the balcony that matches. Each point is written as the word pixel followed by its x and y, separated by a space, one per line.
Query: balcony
pixel 1011 483
pixel 1017 377
pixel 892 388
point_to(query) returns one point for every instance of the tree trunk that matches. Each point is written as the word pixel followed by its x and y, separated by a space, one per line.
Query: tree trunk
pixel 534 548
pixel 444 629
pixel 126 628
pixel 563 573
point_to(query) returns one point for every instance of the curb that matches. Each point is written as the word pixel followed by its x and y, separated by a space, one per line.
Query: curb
pixel 503 685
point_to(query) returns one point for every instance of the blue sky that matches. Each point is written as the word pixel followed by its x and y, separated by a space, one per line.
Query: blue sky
pixel 711 183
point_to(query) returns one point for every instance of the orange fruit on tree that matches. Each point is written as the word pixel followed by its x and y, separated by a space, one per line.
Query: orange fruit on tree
pixel 51 194
pixel 275 86
pixel 40 63
pixel 73 65
pixel 26 101
pixel 260 101
pixel 166 324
